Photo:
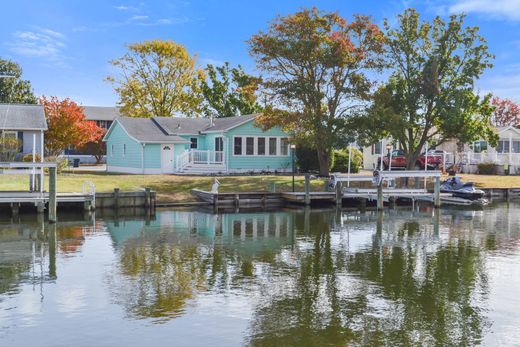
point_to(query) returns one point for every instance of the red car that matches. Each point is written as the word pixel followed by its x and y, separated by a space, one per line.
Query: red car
pixel 399 161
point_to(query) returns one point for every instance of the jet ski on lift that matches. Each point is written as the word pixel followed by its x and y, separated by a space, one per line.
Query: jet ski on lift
pixel 459 189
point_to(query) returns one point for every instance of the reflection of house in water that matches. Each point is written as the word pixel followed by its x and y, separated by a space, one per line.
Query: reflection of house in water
pixel 251 232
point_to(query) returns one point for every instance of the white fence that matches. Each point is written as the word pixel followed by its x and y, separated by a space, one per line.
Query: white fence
pixel 492 157
pixel 200 157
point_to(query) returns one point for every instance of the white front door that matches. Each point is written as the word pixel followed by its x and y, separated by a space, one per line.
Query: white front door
pixel 167 158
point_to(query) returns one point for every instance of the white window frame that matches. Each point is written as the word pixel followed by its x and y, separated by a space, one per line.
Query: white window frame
pixel 267 146
pixel 196 142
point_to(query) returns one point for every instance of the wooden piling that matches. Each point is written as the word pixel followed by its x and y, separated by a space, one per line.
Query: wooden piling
pixel 52 195
pixel 437 192
pixel 147 199
pixel 380 202
pixel 116 198
pixel 307 189
pixel 15 209
pixel 339 194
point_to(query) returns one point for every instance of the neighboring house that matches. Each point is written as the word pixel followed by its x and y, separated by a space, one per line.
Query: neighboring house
pixel 506 154
pixel 103 116
pixel 26 123
pixel 195 145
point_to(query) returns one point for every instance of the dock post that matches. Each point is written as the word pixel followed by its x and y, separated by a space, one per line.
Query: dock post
pixel 147 198
pixel 15 209
pixel 116 198
pixel 437 192
pixel 307 189
pixel 380 202
pixel 52 195
pixel 339 194
pixel 52 250
pixel 40 207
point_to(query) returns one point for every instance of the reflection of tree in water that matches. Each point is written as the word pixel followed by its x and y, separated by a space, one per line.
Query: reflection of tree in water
pixel 164 272
pixel 396 294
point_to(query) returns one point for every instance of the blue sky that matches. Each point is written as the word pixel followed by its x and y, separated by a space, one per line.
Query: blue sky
pixel 64 46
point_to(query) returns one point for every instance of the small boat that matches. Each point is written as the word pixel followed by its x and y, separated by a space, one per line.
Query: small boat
pixel 457 188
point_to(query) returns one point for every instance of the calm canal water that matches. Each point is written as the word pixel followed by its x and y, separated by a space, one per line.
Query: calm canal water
pixel 307 277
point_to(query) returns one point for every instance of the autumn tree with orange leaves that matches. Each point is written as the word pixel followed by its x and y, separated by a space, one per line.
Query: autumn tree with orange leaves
pixel 506 112
pixel 314 66
pixel 67 126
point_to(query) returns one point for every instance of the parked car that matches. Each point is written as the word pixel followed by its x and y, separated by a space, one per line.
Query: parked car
pixel 399 160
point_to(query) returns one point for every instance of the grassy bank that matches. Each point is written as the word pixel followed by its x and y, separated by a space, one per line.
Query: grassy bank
pixel 169 188
pixel 172 188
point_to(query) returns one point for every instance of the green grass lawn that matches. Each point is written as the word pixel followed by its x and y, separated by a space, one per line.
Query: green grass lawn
pixel 169 188
pixel 172 188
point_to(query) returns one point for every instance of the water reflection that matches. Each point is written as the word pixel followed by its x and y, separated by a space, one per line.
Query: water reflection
pixel 300 277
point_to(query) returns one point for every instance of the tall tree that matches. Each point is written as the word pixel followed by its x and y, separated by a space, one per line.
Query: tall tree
pixel 67 126
pixel 506 112
pixel 429 97
pixel 229 91
pixel 157 78
pixel 315 65
pixel 14 89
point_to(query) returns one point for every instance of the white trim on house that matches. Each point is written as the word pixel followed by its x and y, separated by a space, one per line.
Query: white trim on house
pixel 134 170
pixel 255 146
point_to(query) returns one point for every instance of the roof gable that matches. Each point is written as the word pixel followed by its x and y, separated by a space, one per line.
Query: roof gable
pixel 143 130
pixel 22 117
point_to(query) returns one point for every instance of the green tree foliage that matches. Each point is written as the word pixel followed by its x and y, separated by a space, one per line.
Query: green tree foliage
pixel 315 64
pixel 14 90
pixel 340 163
pixel 157 78
pixel 229 91
pixel 429 97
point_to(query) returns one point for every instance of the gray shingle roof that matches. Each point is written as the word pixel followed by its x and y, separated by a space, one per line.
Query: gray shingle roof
pixel 22 117
pixel 179 125
pixel 101 113
pixel 223 124
pixel 145 130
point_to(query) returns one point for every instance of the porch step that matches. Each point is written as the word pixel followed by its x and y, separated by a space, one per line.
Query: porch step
pixel 200 169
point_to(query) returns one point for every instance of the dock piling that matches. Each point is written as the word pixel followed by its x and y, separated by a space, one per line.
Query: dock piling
pixel 307 189
pixel 437 192
pixel 116 198
pixel 380 202
pixel 52 194
pixel 339 194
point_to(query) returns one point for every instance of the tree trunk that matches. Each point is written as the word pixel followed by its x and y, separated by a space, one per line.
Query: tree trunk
pixel 323 159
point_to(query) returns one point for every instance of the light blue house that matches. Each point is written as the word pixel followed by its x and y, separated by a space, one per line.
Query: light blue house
pixel 195 145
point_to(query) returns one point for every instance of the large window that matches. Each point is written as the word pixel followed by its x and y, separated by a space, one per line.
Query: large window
pixel 237 146
pixel 479 146
pixel 194 141
pixel 272 145
pixel 376 148
pixel 219 144
pixel 250 145
pixel 503 146
pixel 284 146
pixel 516 146
pixel 261 146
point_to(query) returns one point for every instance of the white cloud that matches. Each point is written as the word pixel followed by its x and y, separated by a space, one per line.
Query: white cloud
pixel 138 18
pixel 125 8
pixel 509 9
pixel 42 42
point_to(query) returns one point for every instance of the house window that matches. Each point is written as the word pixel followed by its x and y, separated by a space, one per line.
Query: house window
pixel 376 148
pixel 124 150
pixel 479 146
pixel 194 142
pixel 503 146
pixel 260 149
pixel 284 146
pixel 272 146
pixel 237 146
pixel 219 144
pixel 516 146
pixel 112 150
pixel 250 145
pixel 9 134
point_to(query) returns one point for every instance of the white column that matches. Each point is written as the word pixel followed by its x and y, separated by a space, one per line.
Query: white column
pixel 41 160
pixel 33 183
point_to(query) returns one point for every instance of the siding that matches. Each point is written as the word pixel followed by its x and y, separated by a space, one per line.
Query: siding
pixel 265 162
pixel 116 141
pixel 152 156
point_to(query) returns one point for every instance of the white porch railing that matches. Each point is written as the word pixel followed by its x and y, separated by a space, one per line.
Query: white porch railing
pixel 194 157
pixel 492 157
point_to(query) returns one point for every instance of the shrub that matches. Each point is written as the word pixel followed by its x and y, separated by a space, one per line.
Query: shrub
pixel 486 168
pixel 340 162
pixel 29 158
pixel 307 159
pixel 9 148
